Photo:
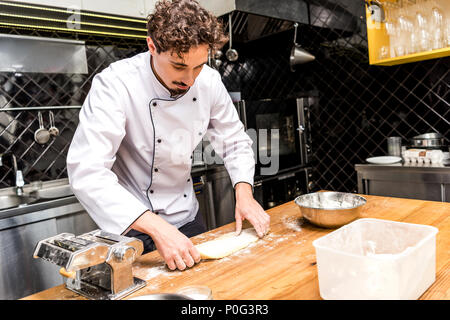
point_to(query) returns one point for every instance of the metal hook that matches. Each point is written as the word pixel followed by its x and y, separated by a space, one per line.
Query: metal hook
pixel 295 33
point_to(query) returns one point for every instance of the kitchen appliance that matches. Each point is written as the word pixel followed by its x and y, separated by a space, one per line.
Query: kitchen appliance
pixel 283 187
pixel 281 131
pixel 97 264
pixel 215 195
pixel 330 209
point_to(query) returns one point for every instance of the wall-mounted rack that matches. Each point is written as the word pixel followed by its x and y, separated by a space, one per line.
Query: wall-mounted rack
pixel 43 108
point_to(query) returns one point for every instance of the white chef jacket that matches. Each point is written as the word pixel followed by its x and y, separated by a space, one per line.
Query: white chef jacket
pixel 132 149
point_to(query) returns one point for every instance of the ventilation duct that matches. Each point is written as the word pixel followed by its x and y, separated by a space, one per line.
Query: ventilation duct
pixel 38 17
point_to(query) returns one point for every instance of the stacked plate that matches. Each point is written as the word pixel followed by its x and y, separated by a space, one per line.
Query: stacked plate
pixel 384 160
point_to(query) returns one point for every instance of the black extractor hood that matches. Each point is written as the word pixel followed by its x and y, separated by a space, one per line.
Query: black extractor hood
pixel 254 19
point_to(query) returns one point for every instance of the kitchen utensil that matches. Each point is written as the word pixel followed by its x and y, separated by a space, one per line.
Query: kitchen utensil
pixel 218 63
pixel 161 296
pixel 298 55
pixel 231 54
pixel 431 135
pixel 431 139
pixel 384 160
pixel 218 54
pixel 97 264
pixel 196 292
pixel 330 209
pixel 41 135
pixel 54 131
pixel 394 146
pixel 376 259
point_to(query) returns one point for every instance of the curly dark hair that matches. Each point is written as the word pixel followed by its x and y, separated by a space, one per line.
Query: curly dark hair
pixel 179 25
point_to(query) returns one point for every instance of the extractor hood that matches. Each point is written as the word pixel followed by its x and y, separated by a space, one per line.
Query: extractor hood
pixel 292 10
pixel 254 19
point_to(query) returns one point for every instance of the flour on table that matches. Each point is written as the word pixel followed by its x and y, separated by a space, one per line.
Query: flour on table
pixel 153 272
pixel 227 244
pixel 292 223
pixel 247 249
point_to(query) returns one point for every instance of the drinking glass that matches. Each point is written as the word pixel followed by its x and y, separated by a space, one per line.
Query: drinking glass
pixel 437 26
pixel 405 31
pixel 391 29
pixel 394 146
pixel 421 25
pixel 448 32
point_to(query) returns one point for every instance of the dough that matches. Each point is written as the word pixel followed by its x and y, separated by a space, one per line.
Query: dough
pixel 227 244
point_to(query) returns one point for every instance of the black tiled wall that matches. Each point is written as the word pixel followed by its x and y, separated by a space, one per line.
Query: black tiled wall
pixel 360 105
pixel 17 128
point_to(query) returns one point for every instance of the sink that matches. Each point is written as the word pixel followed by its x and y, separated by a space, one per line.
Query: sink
pixel 52 192
pixel 12 200
pixel 34 192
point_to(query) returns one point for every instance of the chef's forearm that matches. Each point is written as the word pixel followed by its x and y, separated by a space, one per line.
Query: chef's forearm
pixel 243 190
pixel 148 223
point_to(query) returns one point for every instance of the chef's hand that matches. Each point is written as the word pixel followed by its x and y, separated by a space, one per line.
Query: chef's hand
pixel 248 208
pixel 175 248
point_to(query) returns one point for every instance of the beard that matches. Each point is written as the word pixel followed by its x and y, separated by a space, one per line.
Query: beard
pixel 177 91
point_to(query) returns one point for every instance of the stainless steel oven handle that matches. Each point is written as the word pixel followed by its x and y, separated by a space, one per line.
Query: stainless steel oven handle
pixel 243 114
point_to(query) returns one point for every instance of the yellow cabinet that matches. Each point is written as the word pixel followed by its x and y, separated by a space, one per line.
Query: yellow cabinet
pixel 403 31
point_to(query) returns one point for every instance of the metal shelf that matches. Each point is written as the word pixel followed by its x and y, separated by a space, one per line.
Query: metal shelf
pixel 433 54
pixel 43 108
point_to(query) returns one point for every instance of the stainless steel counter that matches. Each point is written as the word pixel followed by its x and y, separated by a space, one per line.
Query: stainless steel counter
pixel 408 166
pixel 15 216
pixel 56 210
pixel 20 230
pixel 414 181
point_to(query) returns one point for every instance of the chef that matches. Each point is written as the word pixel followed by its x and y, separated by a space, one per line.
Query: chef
pixel 130 159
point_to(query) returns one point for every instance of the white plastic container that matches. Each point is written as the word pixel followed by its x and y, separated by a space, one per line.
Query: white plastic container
pixel 373 259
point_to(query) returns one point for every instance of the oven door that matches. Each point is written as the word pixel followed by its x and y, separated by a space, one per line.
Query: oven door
pixel 284 187
pixel 279 128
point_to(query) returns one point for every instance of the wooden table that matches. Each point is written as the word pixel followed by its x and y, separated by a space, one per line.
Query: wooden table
pixel 283 264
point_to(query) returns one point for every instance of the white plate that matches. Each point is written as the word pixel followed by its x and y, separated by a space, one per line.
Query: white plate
pixel 384 160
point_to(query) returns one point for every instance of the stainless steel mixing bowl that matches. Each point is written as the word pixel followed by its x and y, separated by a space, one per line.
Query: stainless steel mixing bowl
pixel 330 209
pixel 162 296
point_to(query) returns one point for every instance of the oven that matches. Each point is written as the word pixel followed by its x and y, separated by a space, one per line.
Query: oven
pixel 280 130
pixel 284 187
